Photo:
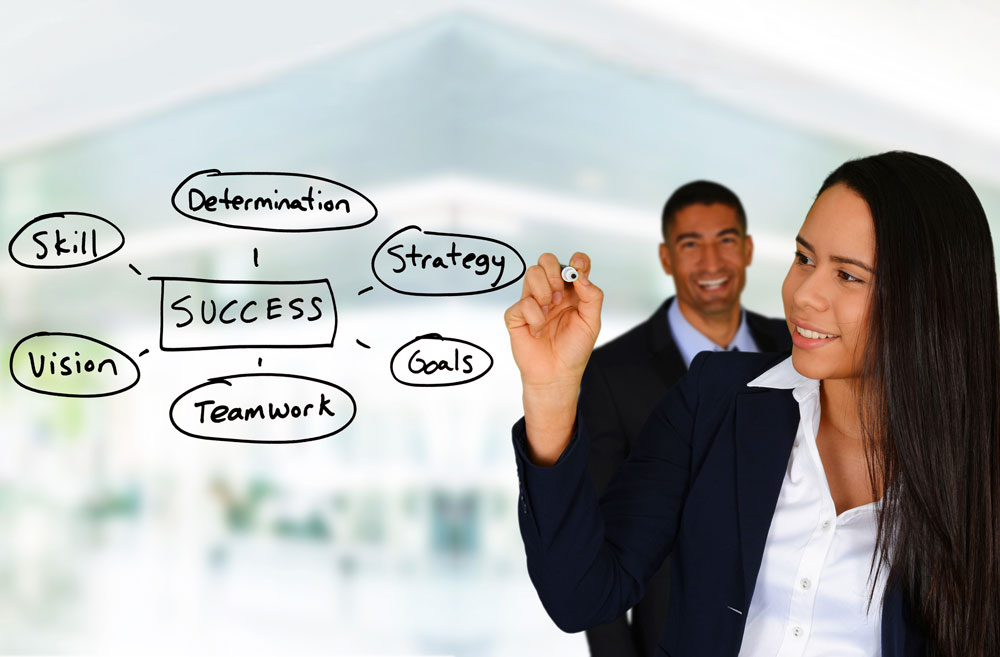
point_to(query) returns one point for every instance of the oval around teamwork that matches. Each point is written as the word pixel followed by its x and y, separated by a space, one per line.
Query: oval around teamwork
pixel 457 272
pixel 32 357
pixel 446 356
pixel 74 226
pixel 274 421
pixel 272 201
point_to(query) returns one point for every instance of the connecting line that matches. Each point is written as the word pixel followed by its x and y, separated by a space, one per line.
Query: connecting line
pixel 362 344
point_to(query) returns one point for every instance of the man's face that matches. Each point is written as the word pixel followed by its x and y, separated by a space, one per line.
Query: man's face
pixel 707 254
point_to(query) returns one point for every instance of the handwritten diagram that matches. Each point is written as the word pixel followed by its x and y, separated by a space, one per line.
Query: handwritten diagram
pixel 198 314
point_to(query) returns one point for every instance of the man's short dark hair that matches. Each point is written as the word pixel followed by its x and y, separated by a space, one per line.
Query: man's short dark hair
pixel 701 191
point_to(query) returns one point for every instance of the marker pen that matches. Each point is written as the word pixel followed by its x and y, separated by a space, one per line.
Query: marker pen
pixel 569 274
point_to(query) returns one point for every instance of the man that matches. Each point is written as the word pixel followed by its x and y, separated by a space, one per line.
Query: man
pixel 706 250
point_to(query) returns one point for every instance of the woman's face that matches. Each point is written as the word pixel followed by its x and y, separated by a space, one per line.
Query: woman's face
pixel 826 292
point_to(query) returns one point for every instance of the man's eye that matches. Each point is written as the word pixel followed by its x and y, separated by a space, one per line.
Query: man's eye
pixel 802 259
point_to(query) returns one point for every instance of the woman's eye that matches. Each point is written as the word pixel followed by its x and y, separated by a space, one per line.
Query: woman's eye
pixel 802 259
pixel 849 278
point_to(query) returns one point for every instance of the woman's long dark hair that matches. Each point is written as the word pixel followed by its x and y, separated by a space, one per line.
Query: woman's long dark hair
pixel 930 396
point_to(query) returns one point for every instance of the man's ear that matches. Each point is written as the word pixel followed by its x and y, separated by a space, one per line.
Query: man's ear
pixel 665 260
pixel 748 249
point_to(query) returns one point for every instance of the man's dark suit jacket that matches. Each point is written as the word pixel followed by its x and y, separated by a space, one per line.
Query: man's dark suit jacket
pixel 701 483
pixel 623 381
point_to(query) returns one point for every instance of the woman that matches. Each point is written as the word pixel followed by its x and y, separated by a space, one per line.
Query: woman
pixel 843 501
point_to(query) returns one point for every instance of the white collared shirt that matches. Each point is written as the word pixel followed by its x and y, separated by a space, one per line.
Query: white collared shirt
pixel 691 342
pixel 811 596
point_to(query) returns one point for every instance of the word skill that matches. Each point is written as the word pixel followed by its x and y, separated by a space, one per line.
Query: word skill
pixel 67 239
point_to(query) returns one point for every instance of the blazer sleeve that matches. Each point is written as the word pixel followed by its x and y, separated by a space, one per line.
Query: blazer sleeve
pixel 605 431
pixel 590 561
pixel 608 450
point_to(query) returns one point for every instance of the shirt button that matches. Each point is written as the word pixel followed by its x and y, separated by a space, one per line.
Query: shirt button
pixel 795 444
pixel 805 584
pixel 796 632
pixel 826 524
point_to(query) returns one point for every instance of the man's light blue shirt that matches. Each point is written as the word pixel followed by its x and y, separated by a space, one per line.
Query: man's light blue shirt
pixel 690 341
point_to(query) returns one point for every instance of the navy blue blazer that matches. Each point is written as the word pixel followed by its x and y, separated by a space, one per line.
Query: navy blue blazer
pixel 700 484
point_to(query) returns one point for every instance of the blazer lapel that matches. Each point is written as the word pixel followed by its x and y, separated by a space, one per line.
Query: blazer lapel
pixel 665 358
pixel 767 336
pixel 900 634
pixel 765 424
pixel 668 364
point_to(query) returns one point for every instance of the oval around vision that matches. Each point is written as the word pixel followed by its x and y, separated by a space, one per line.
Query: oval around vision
pixel 71 365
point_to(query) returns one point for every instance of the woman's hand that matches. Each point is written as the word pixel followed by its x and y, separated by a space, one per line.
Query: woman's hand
pixel 553 329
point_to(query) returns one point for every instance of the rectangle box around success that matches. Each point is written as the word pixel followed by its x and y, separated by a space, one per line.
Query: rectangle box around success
pixel 197 313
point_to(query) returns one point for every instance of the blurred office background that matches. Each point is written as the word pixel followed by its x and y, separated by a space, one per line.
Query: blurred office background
pixel 547 125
